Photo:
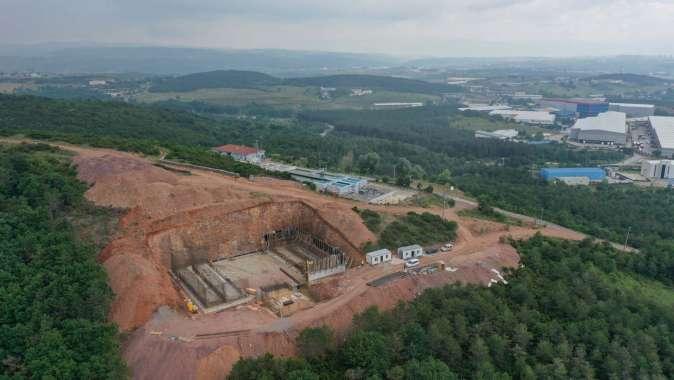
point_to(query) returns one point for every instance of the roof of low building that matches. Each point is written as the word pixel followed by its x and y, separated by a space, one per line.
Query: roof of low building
pixel 525 115
pixel 378 252
pixel 236 149
pixel 610 121
pixel 576 101
pixel 635 105
pixel 409 247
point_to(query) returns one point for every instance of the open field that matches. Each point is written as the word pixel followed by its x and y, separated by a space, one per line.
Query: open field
pixel 283 97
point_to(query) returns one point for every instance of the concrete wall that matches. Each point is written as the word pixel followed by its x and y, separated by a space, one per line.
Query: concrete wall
pixel 241 231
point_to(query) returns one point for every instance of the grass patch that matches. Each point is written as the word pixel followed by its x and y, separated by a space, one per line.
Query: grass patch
pixel 416 228
pixel 644 288
pixel 372 220
pixel 428 200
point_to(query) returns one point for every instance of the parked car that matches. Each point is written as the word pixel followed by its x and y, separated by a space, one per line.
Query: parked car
pixel 411 263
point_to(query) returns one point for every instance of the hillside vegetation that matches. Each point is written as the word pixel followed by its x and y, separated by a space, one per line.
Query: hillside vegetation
pixel 54 297
pixel 561 316
pixel 254 80
pixel 216 79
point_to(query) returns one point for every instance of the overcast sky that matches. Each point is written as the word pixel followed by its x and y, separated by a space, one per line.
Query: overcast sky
pixel 402 27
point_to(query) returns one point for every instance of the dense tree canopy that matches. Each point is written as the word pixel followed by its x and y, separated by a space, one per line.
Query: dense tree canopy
pixel 54 298
pixel 566 314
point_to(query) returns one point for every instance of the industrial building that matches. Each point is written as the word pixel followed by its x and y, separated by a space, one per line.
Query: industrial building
pixel 663 134
pixel 580 108
pixel 608 128
pixel 328 182
pixel 241 153
pixel 573 175
pixel 484 107
pixel 410 251
pixel 526 117
pixel 378 257
pixel 501 134
pixel 658 169
pixel 633 110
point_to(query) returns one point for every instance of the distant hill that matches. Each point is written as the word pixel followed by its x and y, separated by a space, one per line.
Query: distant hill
pixel 252 79
pixel 216 79
pixel 638 79
pixel 376 83
pixel 180 61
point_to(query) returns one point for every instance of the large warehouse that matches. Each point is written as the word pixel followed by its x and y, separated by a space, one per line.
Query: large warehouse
pixel 633 110
pixel 663 134
pixel 580 108
pixel 608 128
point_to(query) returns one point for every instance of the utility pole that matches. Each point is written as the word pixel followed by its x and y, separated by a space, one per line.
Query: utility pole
pixel 627 237
pixel 394 170
pixel 444 205
pixel 540 219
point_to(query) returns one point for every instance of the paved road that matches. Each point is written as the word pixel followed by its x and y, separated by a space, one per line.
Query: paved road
pixel 529 219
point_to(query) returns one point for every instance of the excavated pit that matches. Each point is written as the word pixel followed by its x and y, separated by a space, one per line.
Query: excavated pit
pixel 232 257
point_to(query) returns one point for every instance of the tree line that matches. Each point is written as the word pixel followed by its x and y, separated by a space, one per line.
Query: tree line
pixel 562 315
pixel 54 297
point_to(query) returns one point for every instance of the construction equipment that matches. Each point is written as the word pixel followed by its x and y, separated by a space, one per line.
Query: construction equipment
pixel 191 307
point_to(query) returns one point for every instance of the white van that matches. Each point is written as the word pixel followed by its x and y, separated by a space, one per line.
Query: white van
pixel 411 263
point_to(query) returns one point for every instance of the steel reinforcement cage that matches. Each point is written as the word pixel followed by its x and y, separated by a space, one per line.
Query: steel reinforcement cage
pixel 331 259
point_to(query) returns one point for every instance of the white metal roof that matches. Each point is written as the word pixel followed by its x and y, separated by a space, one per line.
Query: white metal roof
pixel 633 105
pixel 379 252
pixel 541 116
pixel 610 121
pixel 409 247
pixel 508 133
pixel 484 107
pixel 664 129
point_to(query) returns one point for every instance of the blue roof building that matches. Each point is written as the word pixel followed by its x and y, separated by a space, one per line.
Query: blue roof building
pixel 593 174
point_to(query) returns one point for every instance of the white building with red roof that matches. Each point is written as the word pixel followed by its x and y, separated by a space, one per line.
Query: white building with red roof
pixel 241 152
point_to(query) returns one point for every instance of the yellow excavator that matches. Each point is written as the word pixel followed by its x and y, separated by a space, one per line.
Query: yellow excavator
pixel 191 307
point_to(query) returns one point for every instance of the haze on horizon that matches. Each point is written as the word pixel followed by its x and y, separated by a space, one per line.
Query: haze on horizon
pixel 398 27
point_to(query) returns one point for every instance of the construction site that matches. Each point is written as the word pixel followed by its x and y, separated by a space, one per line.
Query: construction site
pixel 273 272
pixel 261 260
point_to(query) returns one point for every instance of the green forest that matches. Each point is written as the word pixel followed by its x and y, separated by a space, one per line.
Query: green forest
pixel 54 297
pixel 561 316
pixel 576 310
pixel 257 80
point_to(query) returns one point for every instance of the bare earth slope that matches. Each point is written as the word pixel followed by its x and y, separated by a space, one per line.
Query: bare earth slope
pixel 169 209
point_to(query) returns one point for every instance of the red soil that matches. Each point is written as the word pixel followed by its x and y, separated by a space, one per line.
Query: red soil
pixel 167 209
